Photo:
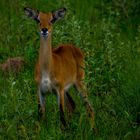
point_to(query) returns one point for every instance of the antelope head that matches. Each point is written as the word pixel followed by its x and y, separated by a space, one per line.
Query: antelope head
pixel 45 20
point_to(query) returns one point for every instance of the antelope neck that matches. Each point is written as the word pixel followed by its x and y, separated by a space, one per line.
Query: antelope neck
pixel 45 54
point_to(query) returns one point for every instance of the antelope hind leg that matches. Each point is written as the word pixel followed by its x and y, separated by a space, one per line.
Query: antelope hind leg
pixel 80 87
pixel 69 102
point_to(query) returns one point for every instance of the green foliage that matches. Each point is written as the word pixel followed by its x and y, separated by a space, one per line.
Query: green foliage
pixel 108 32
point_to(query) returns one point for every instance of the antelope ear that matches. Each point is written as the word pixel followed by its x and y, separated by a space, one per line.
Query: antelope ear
pixel 31 13
pixel 58 14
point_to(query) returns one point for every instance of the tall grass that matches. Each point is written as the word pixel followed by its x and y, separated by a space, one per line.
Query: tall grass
pixel 112 73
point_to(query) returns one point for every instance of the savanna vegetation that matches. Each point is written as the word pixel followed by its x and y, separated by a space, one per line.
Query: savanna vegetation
pixel 108 31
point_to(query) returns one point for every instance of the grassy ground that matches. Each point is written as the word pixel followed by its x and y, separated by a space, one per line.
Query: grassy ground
pixel 112 72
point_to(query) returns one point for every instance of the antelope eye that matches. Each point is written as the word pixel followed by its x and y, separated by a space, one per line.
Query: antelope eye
pixel 49 23
pixel 37 20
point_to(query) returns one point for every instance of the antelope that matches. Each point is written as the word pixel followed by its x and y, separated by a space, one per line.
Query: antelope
pixel 57 69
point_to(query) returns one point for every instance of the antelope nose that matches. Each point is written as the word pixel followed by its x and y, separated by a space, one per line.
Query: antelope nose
pixel 44 31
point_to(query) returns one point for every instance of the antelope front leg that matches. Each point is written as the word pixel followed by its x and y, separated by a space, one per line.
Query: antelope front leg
pixel 61 106
pixel 41 104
